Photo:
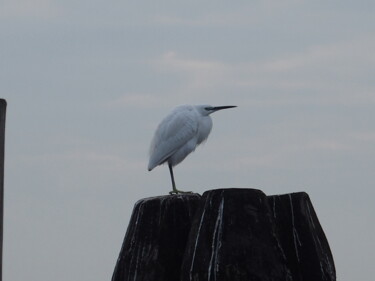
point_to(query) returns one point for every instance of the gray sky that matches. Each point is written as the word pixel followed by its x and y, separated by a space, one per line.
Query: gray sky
pixel 88 81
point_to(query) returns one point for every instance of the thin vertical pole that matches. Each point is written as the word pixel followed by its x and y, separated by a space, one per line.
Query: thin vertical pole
pixel 3 106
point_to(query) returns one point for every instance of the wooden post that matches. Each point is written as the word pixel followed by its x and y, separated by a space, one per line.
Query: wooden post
pixel 227 234
pixel 155 242
pixel 3 105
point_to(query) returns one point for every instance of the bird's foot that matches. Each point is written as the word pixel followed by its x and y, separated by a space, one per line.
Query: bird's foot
pixel 176 191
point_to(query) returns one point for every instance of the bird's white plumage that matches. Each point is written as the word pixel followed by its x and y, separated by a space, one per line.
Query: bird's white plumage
pixel 178 134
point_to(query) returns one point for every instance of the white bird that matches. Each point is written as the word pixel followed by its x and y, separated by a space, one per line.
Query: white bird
pixel 178 134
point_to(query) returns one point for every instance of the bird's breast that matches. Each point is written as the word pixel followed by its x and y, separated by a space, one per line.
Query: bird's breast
pixel 204 129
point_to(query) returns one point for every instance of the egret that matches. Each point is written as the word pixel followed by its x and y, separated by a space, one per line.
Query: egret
pixel 178 134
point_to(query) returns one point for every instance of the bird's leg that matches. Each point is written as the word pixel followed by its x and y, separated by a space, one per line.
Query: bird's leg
pixel 175 190
pixel 172 178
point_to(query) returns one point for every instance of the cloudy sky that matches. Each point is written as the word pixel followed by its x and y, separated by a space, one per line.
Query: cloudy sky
pixel 88 81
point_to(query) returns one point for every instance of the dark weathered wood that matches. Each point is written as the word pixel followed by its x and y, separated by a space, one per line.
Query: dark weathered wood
pixel 156 238
pixel 302 238
pixel 233 238
pixel 3 106
pixel 236 234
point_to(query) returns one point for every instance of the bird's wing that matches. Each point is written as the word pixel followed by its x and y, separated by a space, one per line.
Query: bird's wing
pixel 173 132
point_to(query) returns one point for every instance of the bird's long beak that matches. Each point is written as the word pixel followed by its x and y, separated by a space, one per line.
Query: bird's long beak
pixel 216 108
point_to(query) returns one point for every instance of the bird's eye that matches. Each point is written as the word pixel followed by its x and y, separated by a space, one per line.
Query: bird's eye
pixel 209 108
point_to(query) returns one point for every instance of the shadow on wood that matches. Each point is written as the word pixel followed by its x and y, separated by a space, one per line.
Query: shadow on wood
pixel 235 234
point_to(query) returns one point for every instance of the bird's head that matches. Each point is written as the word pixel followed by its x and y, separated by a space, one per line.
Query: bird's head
pixel 206 110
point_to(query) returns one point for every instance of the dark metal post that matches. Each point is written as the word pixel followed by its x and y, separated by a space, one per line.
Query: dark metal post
pixel 3 105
